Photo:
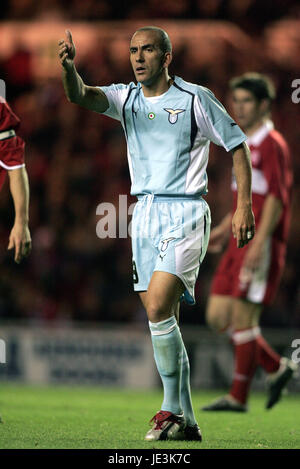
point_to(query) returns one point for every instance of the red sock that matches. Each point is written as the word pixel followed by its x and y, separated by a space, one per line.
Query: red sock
pixel 267 358
pixel 245 363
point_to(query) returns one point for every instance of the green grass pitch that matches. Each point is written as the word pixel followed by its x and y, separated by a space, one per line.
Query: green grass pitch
pixel 90 418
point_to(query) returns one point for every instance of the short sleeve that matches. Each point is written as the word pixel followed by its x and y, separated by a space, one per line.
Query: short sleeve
pixel 116 96
pixel 12 153
pixel 214 122
pixel 275 171
pixel 8 119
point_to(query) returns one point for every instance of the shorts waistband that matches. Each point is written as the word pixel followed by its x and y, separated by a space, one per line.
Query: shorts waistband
pixel 170 198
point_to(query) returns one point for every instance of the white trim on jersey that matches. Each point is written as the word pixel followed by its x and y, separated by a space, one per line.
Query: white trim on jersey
pixel 258 137
pixel 130 165
pixel 259 183
pixel 5 166
pixel 195 176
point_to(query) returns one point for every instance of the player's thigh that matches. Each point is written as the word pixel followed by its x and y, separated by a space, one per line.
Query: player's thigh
pixel 218 312
pixel 162 296
pixel 245 314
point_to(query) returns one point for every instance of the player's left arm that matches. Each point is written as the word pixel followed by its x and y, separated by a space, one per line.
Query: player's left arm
pixel 20 238
pixel 243 224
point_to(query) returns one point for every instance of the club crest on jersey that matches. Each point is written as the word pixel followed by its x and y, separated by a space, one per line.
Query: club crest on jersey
pixel 173 114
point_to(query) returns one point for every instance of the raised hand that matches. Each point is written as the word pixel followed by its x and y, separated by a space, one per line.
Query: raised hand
pixel 67 51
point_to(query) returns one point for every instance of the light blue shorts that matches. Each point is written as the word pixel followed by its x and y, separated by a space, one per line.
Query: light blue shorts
pixel 169 234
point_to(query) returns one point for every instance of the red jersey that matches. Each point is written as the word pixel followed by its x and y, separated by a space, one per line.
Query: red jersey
pixel 8 119
pixel 271 174
pixel 12 148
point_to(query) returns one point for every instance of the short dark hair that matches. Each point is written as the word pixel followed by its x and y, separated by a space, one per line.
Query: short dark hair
pixel 164 40
pixel 259 85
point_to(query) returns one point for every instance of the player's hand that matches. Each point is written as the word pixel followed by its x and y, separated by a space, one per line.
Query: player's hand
pixel 67 51
pixel 20 239
pixel 243 226
pixel 218 238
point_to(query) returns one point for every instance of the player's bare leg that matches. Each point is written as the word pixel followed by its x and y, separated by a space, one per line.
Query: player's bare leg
pixel 218 313
pixel 161 302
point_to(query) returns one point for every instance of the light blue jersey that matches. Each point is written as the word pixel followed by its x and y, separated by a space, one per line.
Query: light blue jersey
pixel 168 136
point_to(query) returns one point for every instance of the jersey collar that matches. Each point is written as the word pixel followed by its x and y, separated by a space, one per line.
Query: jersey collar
pixel 260 134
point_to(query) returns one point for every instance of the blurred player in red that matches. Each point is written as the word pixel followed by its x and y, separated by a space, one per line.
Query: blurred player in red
pixel 247 279
pixel 12 162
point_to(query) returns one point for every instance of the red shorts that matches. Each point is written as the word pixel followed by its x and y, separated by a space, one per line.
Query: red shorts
pixel 262 286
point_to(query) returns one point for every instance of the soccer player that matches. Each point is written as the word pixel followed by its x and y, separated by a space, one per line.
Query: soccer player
pixel 246 280
pixel 168 124
pixel 12 162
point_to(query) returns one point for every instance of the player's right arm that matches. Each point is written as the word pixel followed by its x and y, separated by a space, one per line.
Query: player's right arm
pixel 90 97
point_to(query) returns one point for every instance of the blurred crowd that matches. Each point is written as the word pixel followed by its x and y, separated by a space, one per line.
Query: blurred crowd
pixel 252 13
pixel 76 159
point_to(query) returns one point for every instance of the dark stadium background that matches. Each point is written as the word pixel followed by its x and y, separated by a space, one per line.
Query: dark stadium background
pixel 77 159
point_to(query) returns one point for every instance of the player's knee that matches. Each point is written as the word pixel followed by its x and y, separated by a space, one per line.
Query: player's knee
pixel 216 320
pixel 240 321
pixel 245 314
pixel 156 312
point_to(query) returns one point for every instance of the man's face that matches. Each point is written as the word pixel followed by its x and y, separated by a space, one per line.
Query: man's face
pixel 246 109
pixel 146 57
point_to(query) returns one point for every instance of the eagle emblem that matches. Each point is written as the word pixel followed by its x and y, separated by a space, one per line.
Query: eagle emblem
pixel 173 114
